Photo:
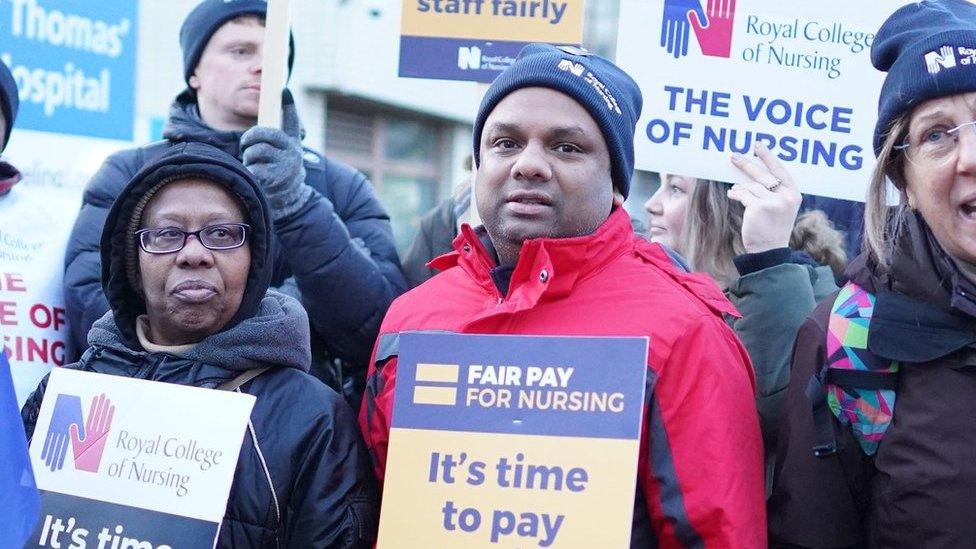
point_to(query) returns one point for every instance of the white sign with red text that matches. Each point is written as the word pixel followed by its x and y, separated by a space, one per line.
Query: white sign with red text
pixel 33 324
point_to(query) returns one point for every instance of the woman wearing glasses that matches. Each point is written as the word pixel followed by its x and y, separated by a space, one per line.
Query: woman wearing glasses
pixel 186 264
pixel 877 448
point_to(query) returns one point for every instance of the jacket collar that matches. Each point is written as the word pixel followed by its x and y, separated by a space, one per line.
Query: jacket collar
pixel 548 267
pixel 276 336
pixel 924 306
pixel 185 124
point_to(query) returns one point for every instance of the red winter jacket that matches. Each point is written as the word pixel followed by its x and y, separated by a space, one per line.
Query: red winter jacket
pixel 702 472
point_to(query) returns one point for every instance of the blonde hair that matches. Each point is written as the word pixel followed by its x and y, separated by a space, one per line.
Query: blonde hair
pixel 816 235
pixel 712 233
pixel 881 223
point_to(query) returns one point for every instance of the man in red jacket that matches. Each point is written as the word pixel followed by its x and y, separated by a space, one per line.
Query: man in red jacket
pixel 553 143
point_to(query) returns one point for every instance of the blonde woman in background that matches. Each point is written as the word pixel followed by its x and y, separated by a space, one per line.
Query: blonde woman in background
pixel 741 235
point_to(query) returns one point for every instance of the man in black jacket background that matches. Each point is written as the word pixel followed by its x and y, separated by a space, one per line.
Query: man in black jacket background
pixel 336 247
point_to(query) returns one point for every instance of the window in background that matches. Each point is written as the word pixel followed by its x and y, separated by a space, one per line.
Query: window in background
pixel 403 154
pixel 600 27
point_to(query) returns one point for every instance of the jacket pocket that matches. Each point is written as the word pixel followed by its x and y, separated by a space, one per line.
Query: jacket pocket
pixel 360 523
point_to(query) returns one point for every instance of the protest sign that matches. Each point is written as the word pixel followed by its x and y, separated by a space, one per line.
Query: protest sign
pixel 74 63
pixel 475 40
pixel 719 76
pixel 124 462
pixel 513 441
pixel 36 218
pixel 33 323
pixel 274 72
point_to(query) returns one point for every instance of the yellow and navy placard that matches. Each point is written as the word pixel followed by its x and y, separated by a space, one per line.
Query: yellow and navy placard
pixel 477 39
pixel 514 441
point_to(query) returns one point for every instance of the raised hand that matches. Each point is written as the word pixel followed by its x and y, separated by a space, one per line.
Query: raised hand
pixel 87 447
pixel 771 199
pixel 715 35
pixel 274 158
pixel 676 29
pixel 67 414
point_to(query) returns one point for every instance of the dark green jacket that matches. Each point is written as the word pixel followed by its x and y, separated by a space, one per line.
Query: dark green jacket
pixel 774 303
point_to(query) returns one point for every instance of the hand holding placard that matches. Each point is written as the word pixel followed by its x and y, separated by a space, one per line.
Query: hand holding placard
pixel 275 159
pixel 771 202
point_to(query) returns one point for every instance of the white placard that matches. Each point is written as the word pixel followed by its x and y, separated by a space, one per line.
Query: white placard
pixel 274 73
pixel 36 218
pixel 718 75
pixel 167 448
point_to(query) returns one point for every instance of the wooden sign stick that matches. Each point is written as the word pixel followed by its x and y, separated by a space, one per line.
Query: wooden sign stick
pixel 274 72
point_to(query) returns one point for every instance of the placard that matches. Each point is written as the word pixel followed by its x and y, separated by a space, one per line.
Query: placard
pixel 513 441
pixel 475 40
pixel 124 462
pixel 33 322
pixel 74 63
pixel 719 76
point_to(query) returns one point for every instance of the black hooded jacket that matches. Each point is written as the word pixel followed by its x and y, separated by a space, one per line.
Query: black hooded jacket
pixel 338 248
pixel 303 477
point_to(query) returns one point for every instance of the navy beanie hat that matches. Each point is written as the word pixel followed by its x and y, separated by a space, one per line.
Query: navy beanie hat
pixel 9 101
pixel 928 49
pixel 209 16
pixel 609 94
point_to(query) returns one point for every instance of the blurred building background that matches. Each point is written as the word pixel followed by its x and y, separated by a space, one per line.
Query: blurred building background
pixel 411 137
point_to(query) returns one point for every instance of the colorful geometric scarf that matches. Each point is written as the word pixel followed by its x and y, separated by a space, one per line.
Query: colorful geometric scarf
pixel 853 397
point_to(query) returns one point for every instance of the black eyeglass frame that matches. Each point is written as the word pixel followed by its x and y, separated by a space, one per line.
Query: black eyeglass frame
pixel 187 234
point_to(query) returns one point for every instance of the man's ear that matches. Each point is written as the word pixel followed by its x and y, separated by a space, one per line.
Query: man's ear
pixel 194 82
pixel 618 197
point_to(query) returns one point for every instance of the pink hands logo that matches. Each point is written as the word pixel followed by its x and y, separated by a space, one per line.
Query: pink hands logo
pixel 87 439
pixel 712 27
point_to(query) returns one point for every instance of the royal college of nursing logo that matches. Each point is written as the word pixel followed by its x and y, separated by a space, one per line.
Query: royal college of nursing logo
pixel 944 58
pixel 469 58
pixel 712 27
pixel 86 439
pixel 569 66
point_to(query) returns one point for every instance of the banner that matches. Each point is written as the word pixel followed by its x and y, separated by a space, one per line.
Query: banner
pixel 513 441
pixel 74 63
pixel 33 323
pixel 719 76
pixel 124 462
pixel 475 40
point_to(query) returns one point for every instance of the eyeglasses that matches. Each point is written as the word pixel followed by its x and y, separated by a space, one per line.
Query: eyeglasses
pixel 936 146
pixel 225 236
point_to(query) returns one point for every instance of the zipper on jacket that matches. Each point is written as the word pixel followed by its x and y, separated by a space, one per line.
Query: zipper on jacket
pixel 149 367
